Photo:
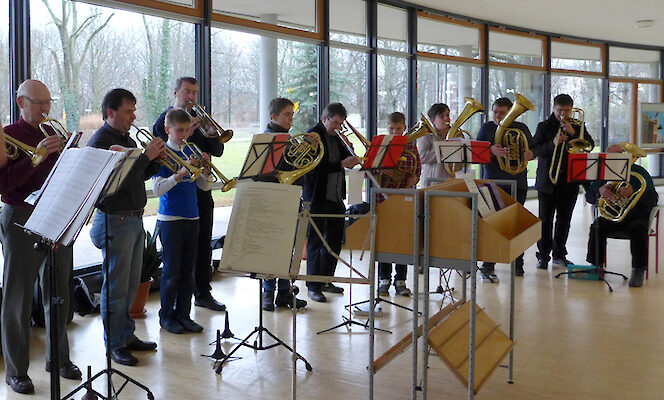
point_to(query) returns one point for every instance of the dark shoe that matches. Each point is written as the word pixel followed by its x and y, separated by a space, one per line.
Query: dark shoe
pixel 636 280
pixel 267 301
pixel 123 356
pixel 542 264
pixel 489 277
pixel 316 295
pixel 171 326
pixel 401 288
pixel 20 384
pixel 140 345
pixel 562 262
pixel 285 299
pixel 330 288
pixel 68 370
pixel 518 271
pixel 384 287
pixel 189 325
pixel 210 303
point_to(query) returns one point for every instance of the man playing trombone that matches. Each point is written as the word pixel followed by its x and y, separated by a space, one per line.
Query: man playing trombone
pixel 186 93
pixel 23 264
pixel 121 217
pixel 550 145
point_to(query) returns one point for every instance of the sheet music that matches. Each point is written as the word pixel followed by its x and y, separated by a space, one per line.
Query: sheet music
pixel 71 190
pixel 355 185
pixel 263 145
pixel 122 170
pixel 262 228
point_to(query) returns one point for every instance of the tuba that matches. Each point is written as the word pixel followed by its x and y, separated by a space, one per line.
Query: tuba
pixel 209 125
pixel 215 175
pixel 170 159
pixel 617 209
pixel 422 128
pixel 304 152
pixel 513 139
pixel 472 106
pixel 574 146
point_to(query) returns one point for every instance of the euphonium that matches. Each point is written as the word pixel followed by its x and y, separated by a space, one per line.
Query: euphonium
pixel 617 209
pixel 13 146
pixel 170 159
pixel 574 146
pixel 209 125
pixel 514 140
pixel 304 152
pixel 215 174
pixel 471 107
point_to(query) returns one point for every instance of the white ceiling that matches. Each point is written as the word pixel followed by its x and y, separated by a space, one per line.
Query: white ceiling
pixel 611 20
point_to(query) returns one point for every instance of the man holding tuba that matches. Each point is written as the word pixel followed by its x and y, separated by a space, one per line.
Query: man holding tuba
pixel 22 263
pixel 551 139
pixel 492 170
pixel 186 93
pixel 635 222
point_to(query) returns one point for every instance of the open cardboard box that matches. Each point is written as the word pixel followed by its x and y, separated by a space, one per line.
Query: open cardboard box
pixel 501 237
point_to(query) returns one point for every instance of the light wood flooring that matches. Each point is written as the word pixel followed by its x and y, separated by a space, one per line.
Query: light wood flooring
pixel 575 340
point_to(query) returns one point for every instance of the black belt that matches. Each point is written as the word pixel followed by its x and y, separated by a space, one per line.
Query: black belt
pixel 128 213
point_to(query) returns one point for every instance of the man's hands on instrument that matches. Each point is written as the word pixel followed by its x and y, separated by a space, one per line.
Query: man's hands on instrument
pixel 606 192
pixel 155 148
pixel 52 144
pixel 498 150
pixel 626 191
pixel 182 172
pixel 411 181
pixel 350 162
pixel 528 155
pixel 195 124
pixel 561 137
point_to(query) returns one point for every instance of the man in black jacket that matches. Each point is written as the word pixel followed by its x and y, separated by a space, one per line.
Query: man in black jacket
pixel 186 91
pixel 325 189
pixel 121 217
pixel 281 115
pixel 559 197
pixel 492 170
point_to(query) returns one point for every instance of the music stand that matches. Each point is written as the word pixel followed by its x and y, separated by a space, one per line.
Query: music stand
pixel 463 151
pixel 590 168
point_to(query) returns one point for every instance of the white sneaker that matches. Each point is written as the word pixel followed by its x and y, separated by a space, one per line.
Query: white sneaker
pixel 400 287
pixel 384 286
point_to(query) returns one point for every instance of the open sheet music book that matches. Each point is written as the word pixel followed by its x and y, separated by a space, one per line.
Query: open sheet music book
pixel 70 193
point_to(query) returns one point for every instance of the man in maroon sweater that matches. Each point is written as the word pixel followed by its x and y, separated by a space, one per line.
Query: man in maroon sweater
pixel 23 264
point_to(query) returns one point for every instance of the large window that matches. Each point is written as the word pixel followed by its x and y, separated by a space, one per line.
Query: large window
pixel 348 21
pixel 296 14
pixel 620 112
pixel 247 68
pixel 348 84
pixel 448 83
pixel 92 49
pixel 392 88
pixel 5 96
pixel 392 28
pixel 634 63
pixel 568 55
pixel 438 36
pixel 587 95
pixel 509 47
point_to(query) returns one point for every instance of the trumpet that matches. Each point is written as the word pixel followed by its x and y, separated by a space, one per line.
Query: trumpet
pixel 574 146
pixel 209 125
pixel 170 159
pixel 58 129
pixel 14 146
pixel 215 175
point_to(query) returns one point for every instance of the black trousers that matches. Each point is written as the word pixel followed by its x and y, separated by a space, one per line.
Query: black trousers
pixel 319 260
pixel 488 267
pixel 203 268
pixel 385 271
pixel 635 225
pixel 561 203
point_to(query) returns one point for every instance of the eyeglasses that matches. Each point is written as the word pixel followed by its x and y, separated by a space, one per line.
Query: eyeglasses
pixel 40 102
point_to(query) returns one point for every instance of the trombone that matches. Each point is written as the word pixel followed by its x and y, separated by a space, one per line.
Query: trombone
pixel 574 146
pixel 170 159
pixel 210 125
pixel 346 130
pixel 215 174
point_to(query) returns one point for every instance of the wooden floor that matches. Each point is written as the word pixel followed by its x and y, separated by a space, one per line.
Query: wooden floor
pixel 575 340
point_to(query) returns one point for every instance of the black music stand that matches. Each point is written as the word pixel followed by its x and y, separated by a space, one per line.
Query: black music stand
pixel 581 174
pixel 463 152
pixel 264 155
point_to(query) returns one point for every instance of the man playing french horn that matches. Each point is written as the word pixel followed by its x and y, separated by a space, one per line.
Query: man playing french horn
pixel 632 204
pixel 552 143
pixel 492 170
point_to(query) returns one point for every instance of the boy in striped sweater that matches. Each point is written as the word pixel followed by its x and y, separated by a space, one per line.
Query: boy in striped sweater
pixel 177 221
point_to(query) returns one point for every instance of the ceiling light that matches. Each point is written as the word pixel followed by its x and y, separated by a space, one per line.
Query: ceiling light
pixel 645 23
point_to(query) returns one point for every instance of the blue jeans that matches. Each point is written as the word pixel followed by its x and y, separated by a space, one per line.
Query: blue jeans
pixel 179 240
pixel 123 262
pixel 270 284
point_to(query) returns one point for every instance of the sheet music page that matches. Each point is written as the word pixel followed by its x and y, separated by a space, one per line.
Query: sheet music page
pixel 355 185
pixel 69 189
pixel 122 170
pixel 262 228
